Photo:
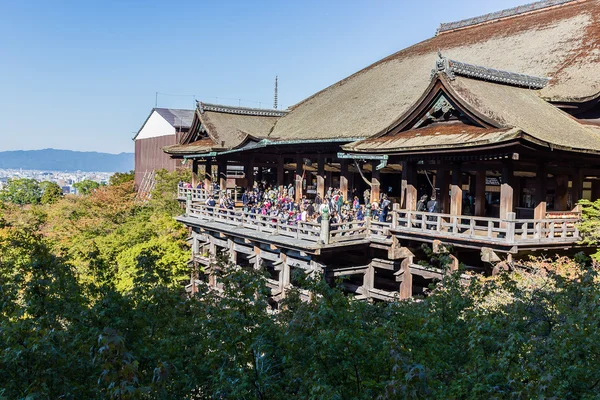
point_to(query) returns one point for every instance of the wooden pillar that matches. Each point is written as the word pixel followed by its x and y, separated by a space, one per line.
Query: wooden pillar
pixel 577 187
pixel 299 177
pixel 480 193
pixel 561 193
pixel 250 173
pixel 321 177
pixel 375 183
pixel 540 190
pixel 406 284
pixel 444 195
pixel 280 171
pixel 344 179
pixel 409 175
pixel 284 274
pixel 259 174
pixel 208 176
pixel 456 190
pixel 595 189
pixel 328 179
pixel 222 173
pixel 403 187
pixel 194 173
pixel 506 190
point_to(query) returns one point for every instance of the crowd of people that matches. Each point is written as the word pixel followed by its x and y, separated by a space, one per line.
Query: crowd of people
pixel 280 204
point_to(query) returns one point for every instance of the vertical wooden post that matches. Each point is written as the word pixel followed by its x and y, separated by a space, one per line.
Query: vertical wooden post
pixel 259 174
pixel 194 173
pixel 231 251
pixel 222 173
pixel 411 185
pixel 284 274
pixel 369 280
pixel 406 284
pixel 321 177
pixel 444 197
pixel 403 185
pixel 577 187
pixel 456 190
pixel 344 178
pixel 561 193
pixel 250 173
pixel 595 189
pixel 540 190
pixel 208 176
pixel 480 193
pixel 506 190
pixel 375 183
pixel 299 177
pixel 280 171
pixel 257 258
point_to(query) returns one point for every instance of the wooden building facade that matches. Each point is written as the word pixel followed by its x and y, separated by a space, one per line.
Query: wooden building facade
pixel 501 112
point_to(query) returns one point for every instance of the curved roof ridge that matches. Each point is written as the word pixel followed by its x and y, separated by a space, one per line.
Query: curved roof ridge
pixel 498 15
pixel 263 112
pixel 452 68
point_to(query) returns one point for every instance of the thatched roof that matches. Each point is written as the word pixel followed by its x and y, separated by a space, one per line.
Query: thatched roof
pixel 506 113
pixel 220 127
pixel 561 43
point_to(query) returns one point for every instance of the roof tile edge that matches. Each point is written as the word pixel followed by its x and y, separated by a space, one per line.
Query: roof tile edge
pixel 261 112
pixel 452 68
pixel 494 16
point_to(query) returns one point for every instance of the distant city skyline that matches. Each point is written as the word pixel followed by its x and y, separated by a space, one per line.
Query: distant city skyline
pixel 84 76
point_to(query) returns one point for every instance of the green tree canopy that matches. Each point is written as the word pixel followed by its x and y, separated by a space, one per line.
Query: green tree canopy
pixel 51 192
pixel 121 177
pixel 86 186
pixel 21 191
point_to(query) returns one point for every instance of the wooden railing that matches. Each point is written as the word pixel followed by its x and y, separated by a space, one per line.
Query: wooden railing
pixel 196 194
pixel 345 231
pixel 272 225
pixel 509 230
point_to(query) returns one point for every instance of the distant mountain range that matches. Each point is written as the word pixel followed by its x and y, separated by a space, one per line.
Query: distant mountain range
pixel 66 160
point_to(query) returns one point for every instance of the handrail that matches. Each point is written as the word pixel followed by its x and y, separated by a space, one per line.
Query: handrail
pixel 504 231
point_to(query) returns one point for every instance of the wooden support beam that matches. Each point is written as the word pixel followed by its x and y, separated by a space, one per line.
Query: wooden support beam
pixel 576 187
pixel 561 193
pixel 285 274
pixel 480 193
pixel 541 190
pixel 375 182
pixel 410 176
pixel 194 172
pixel 321 177
pixel 222 173
pixel 344 179
pixel 280 171
pixel 208 176
pixel 406 284
pixel 299 177
pixel 595 189
pixel 444 195
pixel 369 280
pixel 456 190
pixel 249 172
pixel 506 190
pixel 403 184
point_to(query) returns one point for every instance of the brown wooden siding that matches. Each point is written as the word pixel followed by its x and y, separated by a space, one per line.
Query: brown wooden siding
pixel 149 156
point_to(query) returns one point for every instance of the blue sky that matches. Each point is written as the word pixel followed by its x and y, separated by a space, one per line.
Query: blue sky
pixel 82 75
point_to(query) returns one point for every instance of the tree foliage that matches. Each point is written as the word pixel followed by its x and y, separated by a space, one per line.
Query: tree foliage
pixel 51 192
pixel 86 186
pixel 92 307
pixel 21 191
pixel 119 178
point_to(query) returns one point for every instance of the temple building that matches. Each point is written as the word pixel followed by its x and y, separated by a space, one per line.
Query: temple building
pixel 500 112
pixel 163 127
